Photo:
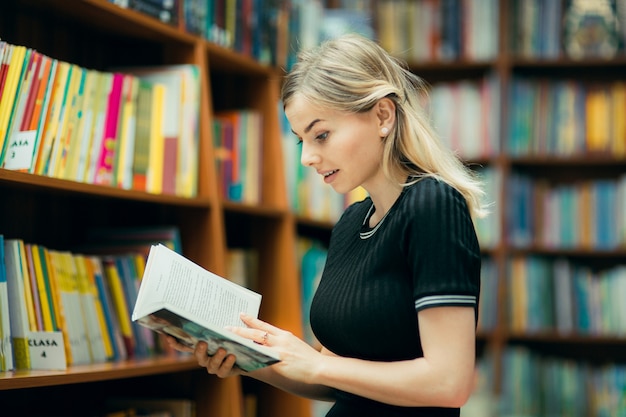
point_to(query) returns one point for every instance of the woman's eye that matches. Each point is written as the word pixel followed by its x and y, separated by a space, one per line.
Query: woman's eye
pixel 322 137
pixel 299 142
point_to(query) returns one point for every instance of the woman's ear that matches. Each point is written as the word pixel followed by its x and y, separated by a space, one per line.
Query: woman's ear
pixel 386 113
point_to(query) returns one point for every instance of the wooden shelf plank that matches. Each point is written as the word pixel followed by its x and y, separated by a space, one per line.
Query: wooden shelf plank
pixel 43 183
pixel 96 372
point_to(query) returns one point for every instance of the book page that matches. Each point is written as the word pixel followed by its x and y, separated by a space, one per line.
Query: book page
pixel 171 279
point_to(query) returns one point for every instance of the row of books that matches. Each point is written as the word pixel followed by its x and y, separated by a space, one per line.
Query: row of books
pixel 466 115
pixel 167 11
pixel 238 144
pixel 552 29
pixel 537 385
pixel 587 214
pixel 560 295
pixel 431 30
pixel 133 128
pixel 86 295
pixel 567 117
pixel 255 28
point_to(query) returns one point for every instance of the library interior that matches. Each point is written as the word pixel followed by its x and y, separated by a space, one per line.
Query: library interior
pixel 127 123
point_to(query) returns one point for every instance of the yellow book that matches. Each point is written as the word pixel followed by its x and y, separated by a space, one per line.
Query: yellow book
pixel 16 64
pixel 597 107
pixel 52 118
pixel 119 303
pixel 43 288
pixel 61 145
pixel 28 294
pixel 140 264
pixel 52 285
pixel 154 183
pixel 123 177
pixel 60 288
pixel 618 107
pixel 92 267
pixel 71 140
pixel 83 125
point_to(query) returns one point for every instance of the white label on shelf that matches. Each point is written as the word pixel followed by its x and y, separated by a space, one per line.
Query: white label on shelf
pixel 47 351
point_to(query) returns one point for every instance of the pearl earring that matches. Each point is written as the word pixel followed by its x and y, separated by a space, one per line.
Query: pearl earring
pixel 384 131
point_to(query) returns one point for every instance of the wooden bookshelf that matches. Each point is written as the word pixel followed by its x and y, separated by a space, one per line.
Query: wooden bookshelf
pixel 56 213
pixel 508 64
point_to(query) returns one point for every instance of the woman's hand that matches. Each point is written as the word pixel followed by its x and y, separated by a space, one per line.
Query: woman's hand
pixel 299 360
pixel 221 363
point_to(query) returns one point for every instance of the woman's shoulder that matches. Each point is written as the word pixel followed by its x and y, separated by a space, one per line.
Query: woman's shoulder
pixel 431 187
pixel 433 196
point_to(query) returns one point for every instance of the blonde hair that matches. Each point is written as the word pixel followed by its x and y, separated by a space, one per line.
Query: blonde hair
pixel 351 74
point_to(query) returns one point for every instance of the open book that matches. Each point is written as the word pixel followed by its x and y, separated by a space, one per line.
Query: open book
pixel 179 298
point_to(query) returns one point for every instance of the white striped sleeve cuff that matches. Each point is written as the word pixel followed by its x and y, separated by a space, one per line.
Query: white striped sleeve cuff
pixel 445 300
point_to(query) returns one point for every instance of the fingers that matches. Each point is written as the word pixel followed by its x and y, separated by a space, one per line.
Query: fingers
pixel 174 344
pixel 256 335
pixel 220 364
pixel 255 323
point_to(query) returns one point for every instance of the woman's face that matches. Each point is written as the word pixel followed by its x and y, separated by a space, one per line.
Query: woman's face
pixel 344 148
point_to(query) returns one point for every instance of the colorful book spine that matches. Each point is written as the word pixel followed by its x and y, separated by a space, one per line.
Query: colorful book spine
pixel 106 158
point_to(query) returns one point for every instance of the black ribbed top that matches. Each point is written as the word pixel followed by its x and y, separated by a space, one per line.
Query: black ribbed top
pixel 423 254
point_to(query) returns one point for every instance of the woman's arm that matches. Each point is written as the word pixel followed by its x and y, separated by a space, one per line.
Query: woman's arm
pixel 444 377
pixel 222 364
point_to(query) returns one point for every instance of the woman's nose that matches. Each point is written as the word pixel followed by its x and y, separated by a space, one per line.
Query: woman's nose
pixel 308 156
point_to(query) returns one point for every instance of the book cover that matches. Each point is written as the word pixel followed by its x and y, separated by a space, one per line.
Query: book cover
pixel 42 103
pixel 52 117
pixel 68 139
pixel 141 150
pixel 18 140
pixel 6 343
pixel 96 134
pixel 66 312
pixel 88 303
pixel 106 314
pixel 79 142
pixel 40 299
pixel 18 58
pixel 182 299
pixel 119 303
pixel 154 174
pixel 104 164
pixel 123 168
pixel 58 144
pixel 179 125
pixel 18 302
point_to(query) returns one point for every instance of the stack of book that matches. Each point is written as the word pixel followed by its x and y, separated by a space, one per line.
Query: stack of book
pixel 86 295
pixel 130 128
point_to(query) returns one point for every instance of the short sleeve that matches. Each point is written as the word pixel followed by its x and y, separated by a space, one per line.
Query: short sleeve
pixel 442 247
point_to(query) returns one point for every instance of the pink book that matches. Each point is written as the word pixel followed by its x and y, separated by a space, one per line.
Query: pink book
pixel 106 159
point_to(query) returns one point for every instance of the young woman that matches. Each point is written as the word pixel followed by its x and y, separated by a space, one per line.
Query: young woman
pixel 396 307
